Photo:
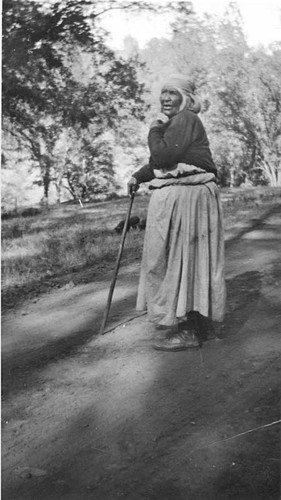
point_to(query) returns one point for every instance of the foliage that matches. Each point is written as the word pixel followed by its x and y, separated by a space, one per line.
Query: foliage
pixel 42 95
pixel 88 166
pixel 73 109
pixel 249 108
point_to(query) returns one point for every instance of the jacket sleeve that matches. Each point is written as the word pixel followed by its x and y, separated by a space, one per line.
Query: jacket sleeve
pixel 144 174
pixel 168 144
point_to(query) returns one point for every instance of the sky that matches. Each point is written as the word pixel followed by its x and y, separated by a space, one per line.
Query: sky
pixel 261 20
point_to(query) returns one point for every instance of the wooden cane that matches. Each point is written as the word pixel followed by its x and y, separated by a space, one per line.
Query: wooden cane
pixel 117 265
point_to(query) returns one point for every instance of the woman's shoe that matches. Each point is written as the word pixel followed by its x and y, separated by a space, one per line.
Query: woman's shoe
pixel 179 342
pixel 206 328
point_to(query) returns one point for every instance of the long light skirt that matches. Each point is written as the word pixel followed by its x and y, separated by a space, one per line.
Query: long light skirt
pixel 183 257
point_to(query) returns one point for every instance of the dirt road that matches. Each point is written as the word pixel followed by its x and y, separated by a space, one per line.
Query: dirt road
pixel 101 418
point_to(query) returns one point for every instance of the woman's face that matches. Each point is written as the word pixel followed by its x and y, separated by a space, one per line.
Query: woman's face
pixel 170 100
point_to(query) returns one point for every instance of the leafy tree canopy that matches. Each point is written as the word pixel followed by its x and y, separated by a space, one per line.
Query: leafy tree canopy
pixel 42 91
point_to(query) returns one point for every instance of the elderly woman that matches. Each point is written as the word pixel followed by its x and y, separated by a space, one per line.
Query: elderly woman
pixel 182 273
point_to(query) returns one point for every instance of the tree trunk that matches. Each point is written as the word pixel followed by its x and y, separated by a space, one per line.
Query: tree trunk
pixel 272 173
pixel 70 186
pixel 279 176
pixel 46 183
pixel 58 186
pixel 231 180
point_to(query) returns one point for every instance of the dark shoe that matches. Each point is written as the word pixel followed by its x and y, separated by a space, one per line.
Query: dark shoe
pixel 211 336
pixel 179 342
pixel 190 327
pixel 206 328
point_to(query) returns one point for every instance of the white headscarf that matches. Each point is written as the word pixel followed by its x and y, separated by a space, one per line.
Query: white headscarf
pixel 186 88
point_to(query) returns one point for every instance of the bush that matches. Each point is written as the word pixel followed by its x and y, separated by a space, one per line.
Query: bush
pixel 30 212
pixel 9 215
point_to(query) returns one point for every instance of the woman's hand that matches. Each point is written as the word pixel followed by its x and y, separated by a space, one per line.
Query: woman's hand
pixel 160 120
pixel 156 123
pixel 132 186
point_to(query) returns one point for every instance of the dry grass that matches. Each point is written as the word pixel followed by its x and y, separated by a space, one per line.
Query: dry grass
pixel 65 239
pixel 68 238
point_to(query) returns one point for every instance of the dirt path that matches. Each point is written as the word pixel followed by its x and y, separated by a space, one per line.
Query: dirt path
pixel 102 418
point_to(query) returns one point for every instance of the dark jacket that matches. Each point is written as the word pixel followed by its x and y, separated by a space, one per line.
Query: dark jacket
pixel 181 140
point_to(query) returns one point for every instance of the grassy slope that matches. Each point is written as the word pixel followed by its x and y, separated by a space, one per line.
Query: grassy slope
pixel 67 239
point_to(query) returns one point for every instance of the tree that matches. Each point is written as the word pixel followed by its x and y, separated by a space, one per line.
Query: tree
pixel 246 95
pixel 86 165
pixel 42 95
pixel 250 106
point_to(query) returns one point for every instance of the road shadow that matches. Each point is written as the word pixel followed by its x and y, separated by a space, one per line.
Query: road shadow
pixel 243 292
pixel 158 454
pixel 254 224
pixel 21 369
pixel 252 475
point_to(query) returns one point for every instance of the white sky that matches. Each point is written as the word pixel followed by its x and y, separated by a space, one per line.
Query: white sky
pixel 261 18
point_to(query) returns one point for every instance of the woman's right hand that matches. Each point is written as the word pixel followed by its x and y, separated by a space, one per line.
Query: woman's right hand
pixel 132 186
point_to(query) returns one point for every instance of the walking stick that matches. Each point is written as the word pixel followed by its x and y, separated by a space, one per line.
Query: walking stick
pixel 117 265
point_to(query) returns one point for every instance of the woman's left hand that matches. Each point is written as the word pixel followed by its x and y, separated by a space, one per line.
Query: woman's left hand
pixel 160 120
pixel 156 123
